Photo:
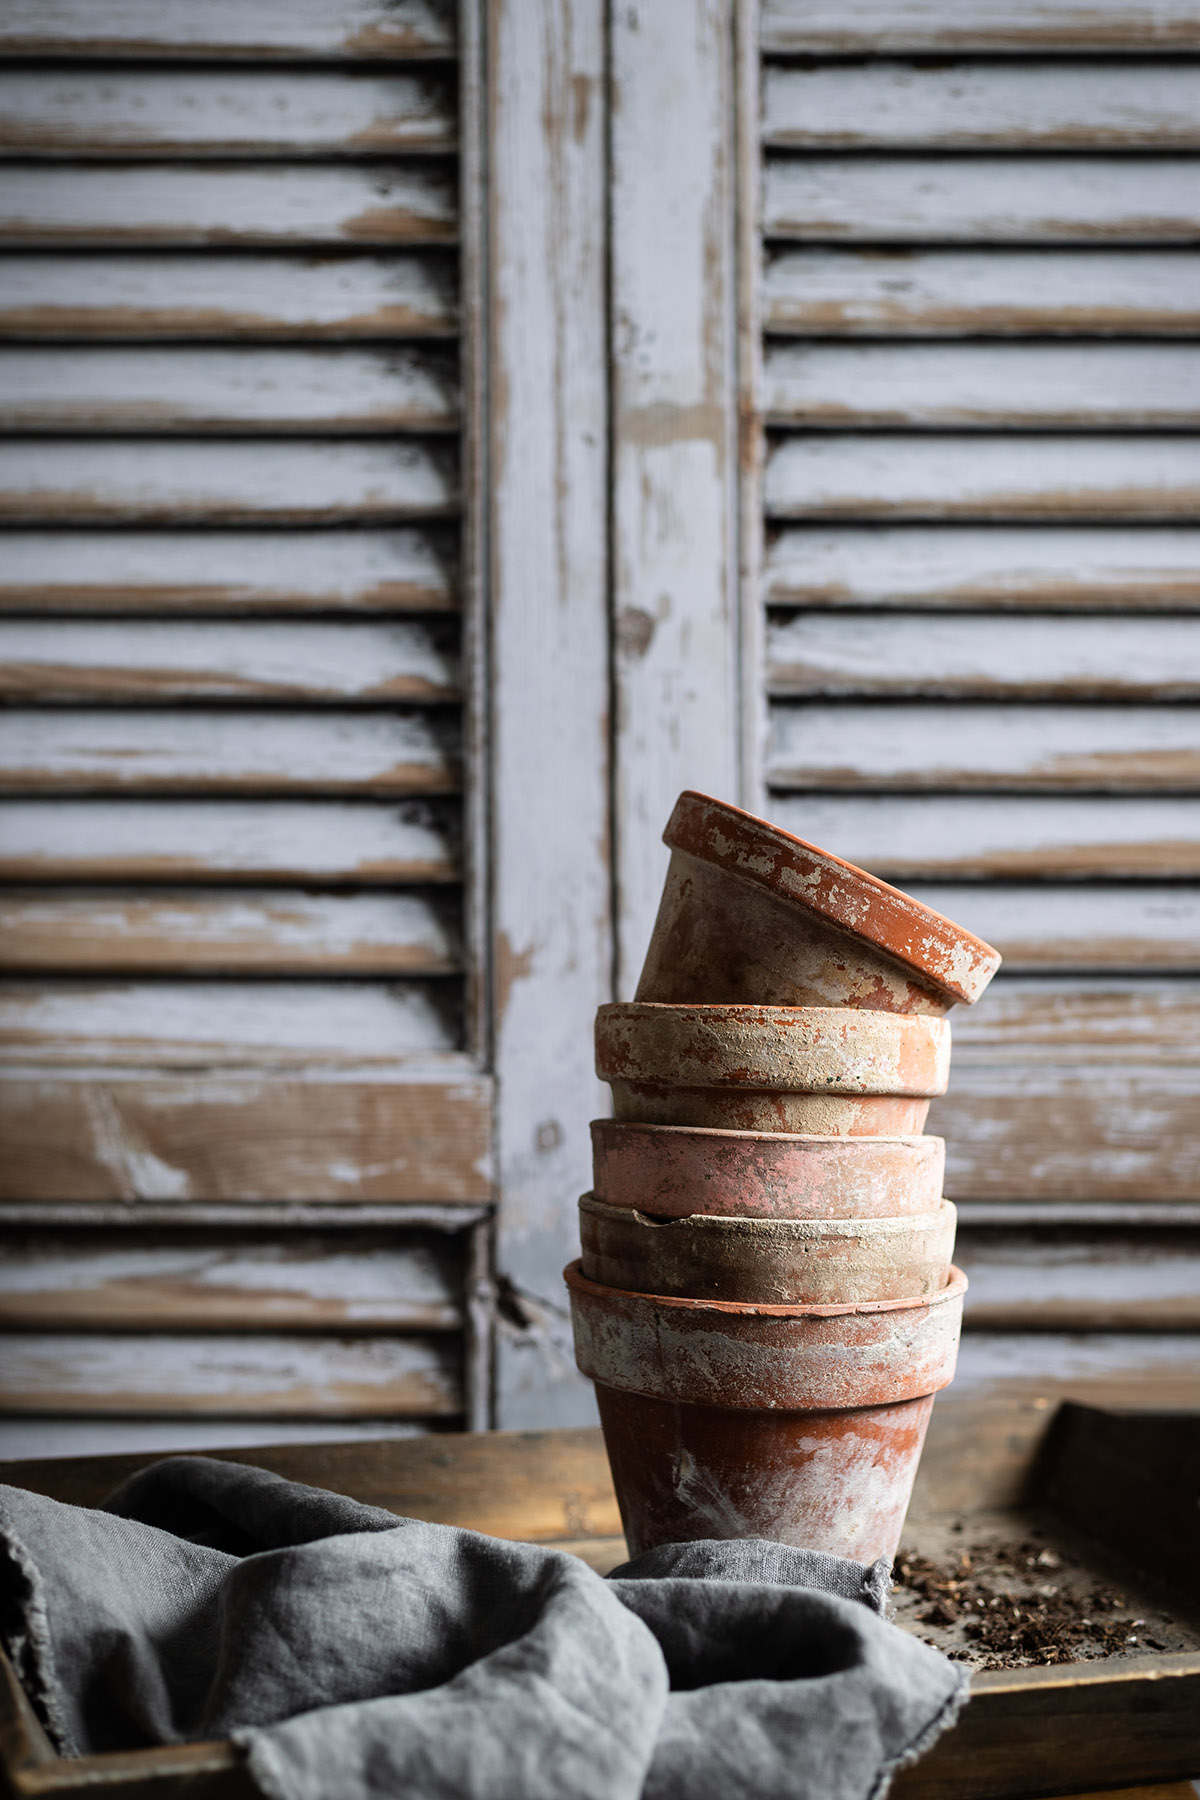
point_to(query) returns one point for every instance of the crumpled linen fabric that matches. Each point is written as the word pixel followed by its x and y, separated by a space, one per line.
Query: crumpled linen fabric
pixel 355 1655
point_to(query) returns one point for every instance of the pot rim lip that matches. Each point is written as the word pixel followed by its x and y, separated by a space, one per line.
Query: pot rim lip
pixel 751 1012
pixel 806 1140
pixel 955 1288
pixel 882 1224
pixel 934 945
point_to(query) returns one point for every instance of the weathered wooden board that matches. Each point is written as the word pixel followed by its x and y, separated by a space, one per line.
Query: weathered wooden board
pixel 982 656
pixel 1102 1368
pixel 228 203
pixel 225 840
pixel 1024 105
pixel 205 1281
pixel 288 481
pixel 1033 199
pixel 1010 836
pixel 1114 1020
pixel 270 389
pixel 356 29
pixel 1075 569
pixel 1092 387
pixel 1087 926
pixel 69 659
pixel 879 25
pixel 956 476
pixel 969 293
pixel 113 1374
pixel 237 295
pixel 230 112
pixel 1018 748
pixel 299 571
pixel 401 1137
pixel 267 931
pixel 1076 1281
pixel 100 751
pixel 55 1437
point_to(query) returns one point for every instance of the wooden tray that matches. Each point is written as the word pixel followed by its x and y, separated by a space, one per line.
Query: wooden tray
pixel 1092 1484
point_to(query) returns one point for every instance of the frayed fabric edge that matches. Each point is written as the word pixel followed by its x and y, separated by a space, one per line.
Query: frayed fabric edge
pixel 943 1719
pixel 262 1763
pixel 28 1641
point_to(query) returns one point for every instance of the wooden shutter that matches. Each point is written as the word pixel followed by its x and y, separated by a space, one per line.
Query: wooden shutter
pixel 247 1136
pixel 982 579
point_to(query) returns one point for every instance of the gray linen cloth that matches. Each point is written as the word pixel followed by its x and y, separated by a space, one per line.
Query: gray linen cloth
pixel 359 1656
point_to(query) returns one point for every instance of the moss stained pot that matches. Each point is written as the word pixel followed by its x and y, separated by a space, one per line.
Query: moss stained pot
pixel 779 1261
pixel 674 1170
pixel 752 913
pixel 824 1070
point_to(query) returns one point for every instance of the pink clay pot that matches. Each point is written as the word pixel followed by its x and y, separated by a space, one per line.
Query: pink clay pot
pixel 672 1170
pixel 752 913
pixel 787 1262
pixel 824 1070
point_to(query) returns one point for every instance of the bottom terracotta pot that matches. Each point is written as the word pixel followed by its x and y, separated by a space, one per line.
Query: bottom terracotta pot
pixel 835 1481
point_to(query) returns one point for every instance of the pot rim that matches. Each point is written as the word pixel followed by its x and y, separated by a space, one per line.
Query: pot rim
pixel 891 922
pixel 809 1139
pixel 882 1225
pixel 955 1288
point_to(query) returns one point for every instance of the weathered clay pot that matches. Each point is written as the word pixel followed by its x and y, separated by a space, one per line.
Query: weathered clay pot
pixel 672 1170
pixel 833 1481
pixel 777 1358
pixel 800 1423
pixel 824 1070
pixel 787 1262
pixel 752 913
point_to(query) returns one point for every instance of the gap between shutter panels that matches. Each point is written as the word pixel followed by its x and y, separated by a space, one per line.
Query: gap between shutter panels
pixel 940 604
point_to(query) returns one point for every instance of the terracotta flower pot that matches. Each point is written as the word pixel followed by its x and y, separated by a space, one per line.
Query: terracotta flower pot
pixel 752 913
pixel 786 1262
pixel 823 1070
pixel 672 1170
pixel 800 1423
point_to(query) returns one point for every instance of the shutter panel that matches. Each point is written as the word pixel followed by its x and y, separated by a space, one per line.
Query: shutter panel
pixel 242 1096
pixel 982 579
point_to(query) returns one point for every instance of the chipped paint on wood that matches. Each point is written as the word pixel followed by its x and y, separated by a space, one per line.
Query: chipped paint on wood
pixel 289 29
pixel 1093 926
pixel 877 26
pixel 1090 1281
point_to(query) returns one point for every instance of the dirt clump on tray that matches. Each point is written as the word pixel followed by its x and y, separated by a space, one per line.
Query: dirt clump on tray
pixel 1004 1601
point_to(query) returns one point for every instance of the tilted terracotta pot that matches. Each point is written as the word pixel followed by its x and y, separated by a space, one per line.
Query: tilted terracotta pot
pixel 801 1423
pixel 833 1481
pixel 785 1262
pixel 824 1070
pixel 674 1170
pixel 749 912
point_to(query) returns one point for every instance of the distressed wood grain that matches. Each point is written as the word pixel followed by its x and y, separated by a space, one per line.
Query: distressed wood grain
pixel 285 482
pixel 266 931
pixel 1015 747
pixel 1085 387
pixel 71 660
pixel 1094 925
pixel 203 1281
pixel 271 389
pixel 228 203
pixel 1087 25
pixel 400 1137
pixel 1109 1019
pixel 960 568
pixel 228 1024
pixel 1026 105
pixel 22 1438
pixel 1075 1281
pixel 303 570
pixel 285 840
pixel 94 750
pixel 233 112
pixel 887 292
pixel 943 199
pixel 983 656
pixel 230 1376
pixel 289 29
pixel 957 476
pixel 169 295
pixel 1002 836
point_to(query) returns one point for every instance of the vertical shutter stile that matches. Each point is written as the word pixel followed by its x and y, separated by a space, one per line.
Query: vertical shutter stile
pixel 243 1105
pixel 980 388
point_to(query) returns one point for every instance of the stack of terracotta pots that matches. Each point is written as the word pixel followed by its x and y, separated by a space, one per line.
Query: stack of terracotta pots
pixel 766 1300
